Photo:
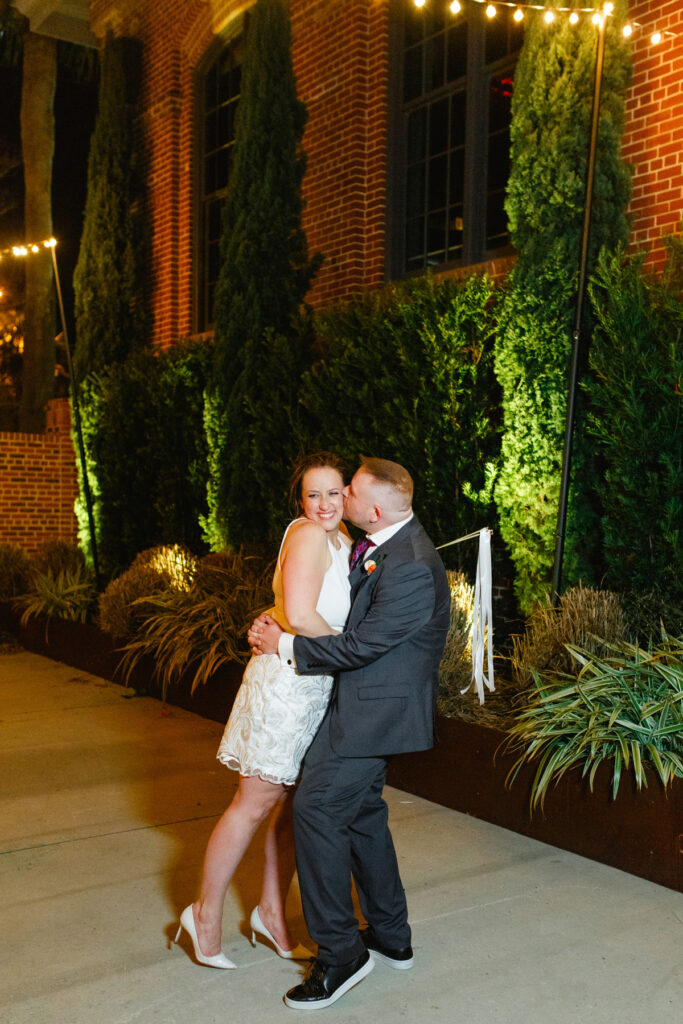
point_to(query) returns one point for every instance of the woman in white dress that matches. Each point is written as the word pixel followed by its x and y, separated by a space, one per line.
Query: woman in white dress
pixel 275 716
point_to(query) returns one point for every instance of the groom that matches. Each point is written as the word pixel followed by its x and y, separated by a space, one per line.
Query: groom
pixel 386 662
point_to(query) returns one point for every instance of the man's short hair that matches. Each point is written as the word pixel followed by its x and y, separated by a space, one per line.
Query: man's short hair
pixel 391 473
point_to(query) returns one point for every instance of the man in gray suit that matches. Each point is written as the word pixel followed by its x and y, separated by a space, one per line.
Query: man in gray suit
pixel 386 662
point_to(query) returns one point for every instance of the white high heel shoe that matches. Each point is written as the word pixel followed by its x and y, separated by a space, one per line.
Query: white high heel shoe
pixel 258 928
pixel 219 960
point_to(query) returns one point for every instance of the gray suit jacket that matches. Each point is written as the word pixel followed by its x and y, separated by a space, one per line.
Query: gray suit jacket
pixel 387 658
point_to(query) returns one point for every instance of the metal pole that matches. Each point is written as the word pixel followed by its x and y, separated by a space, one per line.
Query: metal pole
pixel 79 430
pixel 576 333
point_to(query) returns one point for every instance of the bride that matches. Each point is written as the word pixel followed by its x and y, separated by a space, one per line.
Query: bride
pixel 275 716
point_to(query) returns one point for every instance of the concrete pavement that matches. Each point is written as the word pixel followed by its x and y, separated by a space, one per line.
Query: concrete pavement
pixel 107 802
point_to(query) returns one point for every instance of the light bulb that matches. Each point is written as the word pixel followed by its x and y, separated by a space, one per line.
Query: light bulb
pixel 419 3
pixel 627 30
pixel 549 17
pixel 656 38
pixel 597 19
pixel 518 15
pixel 608 8
pixel 490 11
pixel 455 7
pixel 573 18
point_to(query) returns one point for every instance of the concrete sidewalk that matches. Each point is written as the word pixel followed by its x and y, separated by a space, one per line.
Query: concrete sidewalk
pixel 107 803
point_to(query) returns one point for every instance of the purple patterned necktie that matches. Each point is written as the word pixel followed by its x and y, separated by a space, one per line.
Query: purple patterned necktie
pixel 359 548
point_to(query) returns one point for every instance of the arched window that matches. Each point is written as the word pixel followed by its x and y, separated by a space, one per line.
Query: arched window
pixel 218 93
pixel 453 134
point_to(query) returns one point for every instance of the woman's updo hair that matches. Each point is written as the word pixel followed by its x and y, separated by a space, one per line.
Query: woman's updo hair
pixel 316 460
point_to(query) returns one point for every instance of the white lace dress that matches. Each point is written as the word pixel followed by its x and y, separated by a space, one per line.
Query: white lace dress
pixel 276 712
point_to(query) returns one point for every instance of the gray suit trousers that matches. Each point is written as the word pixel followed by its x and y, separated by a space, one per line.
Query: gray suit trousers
pixel 341 828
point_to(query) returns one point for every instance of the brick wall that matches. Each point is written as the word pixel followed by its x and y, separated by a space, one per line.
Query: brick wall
pixel 653 140
pixel 340 55
pixel 38 483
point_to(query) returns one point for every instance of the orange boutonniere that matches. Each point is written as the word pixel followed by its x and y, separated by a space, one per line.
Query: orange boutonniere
pixel 370 564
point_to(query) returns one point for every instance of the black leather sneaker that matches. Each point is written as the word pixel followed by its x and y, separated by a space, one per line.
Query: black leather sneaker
pixel 399 959
pixel 328 982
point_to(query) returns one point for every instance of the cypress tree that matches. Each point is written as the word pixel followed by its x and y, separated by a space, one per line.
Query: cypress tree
pixel 262 337
pixel 550 134
pixel 109 292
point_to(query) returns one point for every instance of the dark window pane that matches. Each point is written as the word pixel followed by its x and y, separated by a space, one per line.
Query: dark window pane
pixel 412 73
pixel 222 168
pixel 415 239
pixel 457 178
pixel 496 221
pixel 436 237
pixel 497 37
pixel 417 140
pixel 455 231
pixel 225 126
pixel 458 113
pixel 210 174
pixel 211 132
pixel 457 50
pixel 434 63
pixel 499 161
pixel 210 87
pixel 214 220
pixel 438 127
pixel 500 100
pixel 221 93
pixel 438 170
pixel 415 199
pixel 213 260
pixel 414 25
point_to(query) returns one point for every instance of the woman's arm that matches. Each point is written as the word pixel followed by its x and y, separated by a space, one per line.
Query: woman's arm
pixel 304 560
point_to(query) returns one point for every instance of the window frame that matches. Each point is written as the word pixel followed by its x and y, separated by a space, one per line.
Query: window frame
pixel 476 84
pixel 202 319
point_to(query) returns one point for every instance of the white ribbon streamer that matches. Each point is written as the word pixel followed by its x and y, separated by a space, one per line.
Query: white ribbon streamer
pixel 482 613
pixel 482 619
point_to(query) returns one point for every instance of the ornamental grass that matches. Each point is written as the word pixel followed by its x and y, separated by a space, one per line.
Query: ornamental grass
pixel 203 626
pixel 623 707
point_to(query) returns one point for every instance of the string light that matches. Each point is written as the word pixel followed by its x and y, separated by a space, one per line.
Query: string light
pixel 597 14
pixel 28 248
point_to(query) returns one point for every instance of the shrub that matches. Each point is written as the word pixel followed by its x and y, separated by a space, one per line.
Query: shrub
pixel 262 342
pixel 121 607
pixel 143 429
pixel 585 618
pixel 637 419
pixel 623 706
pixel 406 373
pixel 15 571
pixel 203 626
pixel 549 132
pixel 57 556
pixel 66 594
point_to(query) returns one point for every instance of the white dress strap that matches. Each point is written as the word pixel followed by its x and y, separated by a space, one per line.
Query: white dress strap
pixel 282 542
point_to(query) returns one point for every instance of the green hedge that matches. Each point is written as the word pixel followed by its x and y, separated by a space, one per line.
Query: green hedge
pixel 637 421
pixel 146 453
pixel 406 373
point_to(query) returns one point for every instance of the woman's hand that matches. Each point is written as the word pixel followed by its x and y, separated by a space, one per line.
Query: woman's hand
pixel 264 635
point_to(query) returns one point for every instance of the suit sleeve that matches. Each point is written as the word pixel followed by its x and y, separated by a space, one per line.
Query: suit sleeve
pixel 402 604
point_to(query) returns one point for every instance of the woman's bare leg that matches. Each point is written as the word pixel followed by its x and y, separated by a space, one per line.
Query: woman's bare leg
pixel 278 872
pixel 251 805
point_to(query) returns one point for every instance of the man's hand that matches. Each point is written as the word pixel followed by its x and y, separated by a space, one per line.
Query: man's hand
pixel 264 635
